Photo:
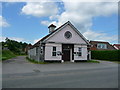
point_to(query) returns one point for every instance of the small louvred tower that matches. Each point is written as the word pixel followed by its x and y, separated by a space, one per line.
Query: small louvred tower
pixel 51 28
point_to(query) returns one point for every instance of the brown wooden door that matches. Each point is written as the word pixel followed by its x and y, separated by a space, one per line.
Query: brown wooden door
pixel 66 55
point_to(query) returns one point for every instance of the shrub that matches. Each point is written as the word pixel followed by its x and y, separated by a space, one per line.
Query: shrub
pixel 112 55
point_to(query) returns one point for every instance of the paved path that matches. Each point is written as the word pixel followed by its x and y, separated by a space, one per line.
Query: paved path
pixel 19 73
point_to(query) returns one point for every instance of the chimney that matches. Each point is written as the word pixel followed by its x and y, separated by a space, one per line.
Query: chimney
pixel 51 28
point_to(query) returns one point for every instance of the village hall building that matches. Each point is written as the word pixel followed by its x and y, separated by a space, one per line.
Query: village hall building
pixel 65 43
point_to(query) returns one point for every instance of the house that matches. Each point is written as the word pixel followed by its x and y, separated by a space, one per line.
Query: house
pixel 65 43
pixel 116 46
pixel 27 48
pixel 100 45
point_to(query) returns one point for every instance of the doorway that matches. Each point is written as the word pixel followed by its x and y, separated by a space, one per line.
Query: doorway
pixel 67 50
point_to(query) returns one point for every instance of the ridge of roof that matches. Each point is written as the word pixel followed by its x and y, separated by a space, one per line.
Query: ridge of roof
pixel 116 44
pixel 100 41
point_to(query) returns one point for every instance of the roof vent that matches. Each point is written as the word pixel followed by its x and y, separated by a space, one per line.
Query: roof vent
pixel 51 28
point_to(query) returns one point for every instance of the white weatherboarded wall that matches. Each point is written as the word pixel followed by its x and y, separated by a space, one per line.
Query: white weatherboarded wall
pixel 59 37
pixel 32 54
pixel 84 52
pixel 48 51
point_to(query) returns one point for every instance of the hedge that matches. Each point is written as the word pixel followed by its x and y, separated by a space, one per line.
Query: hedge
pixel 113 55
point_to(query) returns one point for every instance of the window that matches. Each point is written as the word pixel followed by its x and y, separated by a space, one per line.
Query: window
pixel 54 51
pixel 68 35
pixel 36 50
pixel 101 46
pixel 41 50
pixel 79 51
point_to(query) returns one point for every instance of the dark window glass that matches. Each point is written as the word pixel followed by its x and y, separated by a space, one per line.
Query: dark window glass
pixel 54 48
pixel 79 51
pixel 41 50
pixel 68 35
pixel 54 51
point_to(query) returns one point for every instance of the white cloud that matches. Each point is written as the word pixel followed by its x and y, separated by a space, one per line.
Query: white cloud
pixel 59 0
pixel 12 38
pixel 47 23
pixel 81 15
pixel 25 0
pixel 40 9
pixel 91 35
pixel 3 22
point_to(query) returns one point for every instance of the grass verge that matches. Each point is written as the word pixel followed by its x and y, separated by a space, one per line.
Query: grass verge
pixel 34 61
pixel 89 61
pixel 93 61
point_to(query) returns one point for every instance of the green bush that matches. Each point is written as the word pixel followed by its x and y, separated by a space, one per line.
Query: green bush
pixel 7 54
pixel 112 55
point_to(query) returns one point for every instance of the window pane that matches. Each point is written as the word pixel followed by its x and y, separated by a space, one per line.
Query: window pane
pixel 53 53
pixel 79 54
pixel 79 51
pixel 54 48
pixel 102 46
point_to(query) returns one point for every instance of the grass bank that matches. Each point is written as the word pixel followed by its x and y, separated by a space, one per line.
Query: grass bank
pixel 7 54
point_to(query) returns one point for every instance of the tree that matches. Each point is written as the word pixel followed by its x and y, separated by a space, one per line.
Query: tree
pixel 14 46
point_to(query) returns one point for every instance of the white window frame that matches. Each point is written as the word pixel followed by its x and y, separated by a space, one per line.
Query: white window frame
pixel 102 46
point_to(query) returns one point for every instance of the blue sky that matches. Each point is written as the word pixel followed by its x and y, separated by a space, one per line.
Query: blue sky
pixel 28 22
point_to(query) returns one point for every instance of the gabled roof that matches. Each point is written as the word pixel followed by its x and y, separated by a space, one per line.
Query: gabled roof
pixel 58 29
pixel 52 25
pixel 117 46
pixel 94 45
pixel 99 42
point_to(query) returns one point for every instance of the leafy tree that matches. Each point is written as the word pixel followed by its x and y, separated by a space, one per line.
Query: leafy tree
pixel 14 46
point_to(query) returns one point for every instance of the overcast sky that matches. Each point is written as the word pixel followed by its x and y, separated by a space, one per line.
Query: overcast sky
pixel 29 21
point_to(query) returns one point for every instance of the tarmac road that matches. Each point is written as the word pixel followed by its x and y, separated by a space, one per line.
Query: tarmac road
pixel 19 73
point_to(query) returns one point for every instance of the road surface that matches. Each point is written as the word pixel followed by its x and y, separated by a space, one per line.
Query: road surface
pixel 19 73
